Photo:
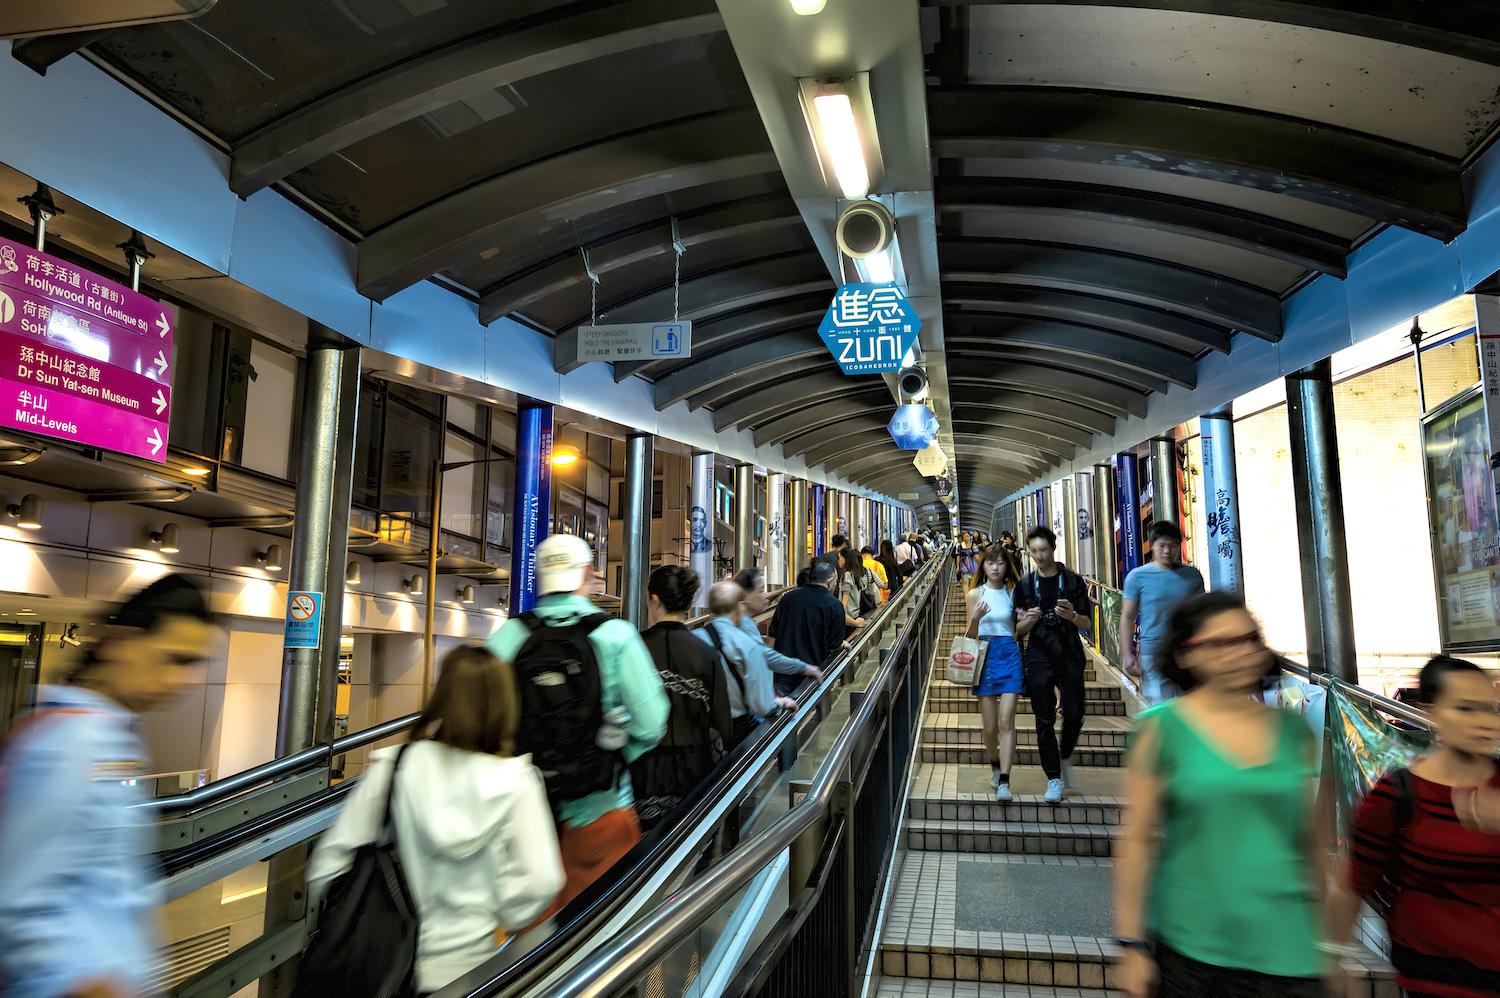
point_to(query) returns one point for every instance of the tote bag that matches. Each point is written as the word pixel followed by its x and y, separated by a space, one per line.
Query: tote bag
pixel 965 659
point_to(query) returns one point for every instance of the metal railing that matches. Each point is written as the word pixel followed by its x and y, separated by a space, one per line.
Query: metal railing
pixel 819 946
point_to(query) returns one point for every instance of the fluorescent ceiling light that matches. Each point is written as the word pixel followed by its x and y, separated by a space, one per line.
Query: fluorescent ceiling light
pixel 877 269
pixel 841 142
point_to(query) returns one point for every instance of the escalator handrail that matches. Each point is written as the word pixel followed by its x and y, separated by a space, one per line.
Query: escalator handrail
pixel 229 786
pixel 617 963
pixel 648 857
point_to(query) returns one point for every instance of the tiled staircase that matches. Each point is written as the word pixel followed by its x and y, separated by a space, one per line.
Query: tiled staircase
pixel 999 900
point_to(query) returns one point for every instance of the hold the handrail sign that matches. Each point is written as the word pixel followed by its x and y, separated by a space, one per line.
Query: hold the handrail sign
pixel 82 358
pixel 869 328
pixel 304 619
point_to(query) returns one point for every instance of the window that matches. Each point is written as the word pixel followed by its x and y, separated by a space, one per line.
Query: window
pixel 198 348
pixel 260 392
pixel 657 492
pixel 411 443
pixel 463 488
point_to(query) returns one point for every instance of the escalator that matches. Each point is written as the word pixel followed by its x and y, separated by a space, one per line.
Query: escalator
pixel 219 841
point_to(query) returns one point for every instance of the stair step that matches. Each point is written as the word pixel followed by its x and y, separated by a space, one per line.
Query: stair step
pixel 910 987
pixel 941 729
pixel 1076 809
pixel 941 689
pixel 1030 838
pixel 1091 708
pixel 1026 755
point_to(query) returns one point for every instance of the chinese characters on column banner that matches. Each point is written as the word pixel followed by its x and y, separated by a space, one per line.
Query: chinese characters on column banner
pixel 869 328
pixel 82 358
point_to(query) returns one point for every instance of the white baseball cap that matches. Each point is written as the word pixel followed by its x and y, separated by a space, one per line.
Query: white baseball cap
pixel 562 563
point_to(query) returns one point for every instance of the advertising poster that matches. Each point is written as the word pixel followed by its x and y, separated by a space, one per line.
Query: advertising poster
pixel 1461 507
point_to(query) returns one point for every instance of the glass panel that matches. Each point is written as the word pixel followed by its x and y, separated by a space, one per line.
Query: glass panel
pixel 596 532
pixel 198 353
pixel 463 488
pixel 1446 370
pixel 568 518
pixel 271 403
pixel 467 416
pixel 500 504
pixel 411 443
pixel 368 431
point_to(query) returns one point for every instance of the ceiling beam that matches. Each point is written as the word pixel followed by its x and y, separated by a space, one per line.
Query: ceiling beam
pixel 1061 440
pixel 514 206
pixel 1084 310
pixel 1382 180
pixel 1078 341
pixel 707 294
pixel 1209 298
pixel 1465 29
pixel 807 310
pixel 857 402
pixel 978 398
pixel 768 374
pixel 1096 393
pixel 764 404
pixel 1149 211
pixel 986 351
pixel 736 367
pixel 565 272
pixel 502 56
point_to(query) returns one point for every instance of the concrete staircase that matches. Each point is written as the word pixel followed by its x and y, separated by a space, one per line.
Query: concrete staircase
pixel 996 900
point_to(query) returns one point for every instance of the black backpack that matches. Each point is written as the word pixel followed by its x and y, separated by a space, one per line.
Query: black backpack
pixel 562 708
pixel 365 941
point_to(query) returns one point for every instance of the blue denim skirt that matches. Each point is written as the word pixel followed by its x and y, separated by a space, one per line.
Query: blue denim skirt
pixel 1002 669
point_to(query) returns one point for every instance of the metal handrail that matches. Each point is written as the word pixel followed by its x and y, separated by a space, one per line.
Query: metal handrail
pixel 1395 708
pixel 615 964
pixel 229 786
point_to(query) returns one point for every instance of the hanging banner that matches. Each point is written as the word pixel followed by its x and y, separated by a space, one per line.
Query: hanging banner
pixel 701 525
pixel 820 519
pixel 1128 502
pixel 533 506
pixel 869 328
pixel 913 427
pixel 1054 519
pixel 1365 747
pixel 1221 502
pixel 1083 516
pixel 776 526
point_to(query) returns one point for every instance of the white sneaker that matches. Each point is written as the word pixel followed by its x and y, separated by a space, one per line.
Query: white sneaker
pixel 1002 793
pixel 1054 794
pixel 1067 772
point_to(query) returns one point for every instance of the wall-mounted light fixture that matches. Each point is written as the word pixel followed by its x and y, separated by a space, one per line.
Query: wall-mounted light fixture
pixel 413 585
pixel 564 455
pixel 465 594
pixel 807 8
pixel 167 540
pixel 270 558
pixel 27 513
pixel 352 575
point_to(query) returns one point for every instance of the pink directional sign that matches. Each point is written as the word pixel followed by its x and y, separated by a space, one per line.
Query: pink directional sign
pixel 82 358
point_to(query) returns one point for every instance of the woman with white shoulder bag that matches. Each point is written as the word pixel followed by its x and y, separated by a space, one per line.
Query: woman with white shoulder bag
pixel 1001 680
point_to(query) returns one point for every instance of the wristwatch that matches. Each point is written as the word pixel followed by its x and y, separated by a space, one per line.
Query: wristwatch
pixel 1135 944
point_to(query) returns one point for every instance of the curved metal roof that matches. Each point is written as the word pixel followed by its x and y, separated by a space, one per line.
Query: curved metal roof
pixel 1116 189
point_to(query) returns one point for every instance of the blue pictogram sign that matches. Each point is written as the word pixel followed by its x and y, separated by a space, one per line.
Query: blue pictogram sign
pixel 869 327
pixel 913 427
pixel 304 620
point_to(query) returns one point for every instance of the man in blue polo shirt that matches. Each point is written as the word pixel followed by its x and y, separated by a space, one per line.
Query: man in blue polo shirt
pixel 1152 592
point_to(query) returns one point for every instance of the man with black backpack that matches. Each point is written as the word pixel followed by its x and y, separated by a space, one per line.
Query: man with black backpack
pixel 591 703
pixel 1052 611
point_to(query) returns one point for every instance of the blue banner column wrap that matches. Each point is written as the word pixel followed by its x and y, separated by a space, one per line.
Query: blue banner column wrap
pixel 1222 503
pixel 533 510
pixel 820 519
pixel 1129 504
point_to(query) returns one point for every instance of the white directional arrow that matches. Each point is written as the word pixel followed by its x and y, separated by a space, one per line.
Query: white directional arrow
pixel 154 440
pixel 162 326
pixel 160 362
pixel 160 399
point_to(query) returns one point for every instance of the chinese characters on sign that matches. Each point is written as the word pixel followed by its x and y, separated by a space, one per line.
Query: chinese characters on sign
pixel 82 358
pixel 635 341
pixel 913 427
pixel 869 328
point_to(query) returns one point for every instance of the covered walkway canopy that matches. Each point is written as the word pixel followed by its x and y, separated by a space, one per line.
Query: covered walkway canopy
pixel 1096 201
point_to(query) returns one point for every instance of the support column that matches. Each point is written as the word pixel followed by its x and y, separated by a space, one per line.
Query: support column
pixel 701 525
pixel 1070 525
pixel 1318 485
pixel 640 456
pixel 320 552
pixel 1106 558
pixel 857 532
pixel 320 543
pixel 820 519
pixel 744 516
pixel 533 504
pixel 1164 505
pixel 1128 502
pixel 778 546
pixel 1083 524
pixel 1222 503
pixel 796 532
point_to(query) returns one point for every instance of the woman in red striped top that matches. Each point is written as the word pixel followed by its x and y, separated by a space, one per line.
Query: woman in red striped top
pixel 1420 842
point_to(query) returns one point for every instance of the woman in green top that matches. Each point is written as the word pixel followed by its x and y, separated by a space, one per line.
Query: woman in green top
pixel 1227 902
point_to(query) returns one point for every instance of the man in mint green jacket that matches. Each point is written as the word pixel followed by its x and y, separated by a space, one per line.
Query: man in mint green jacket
pixel 597 830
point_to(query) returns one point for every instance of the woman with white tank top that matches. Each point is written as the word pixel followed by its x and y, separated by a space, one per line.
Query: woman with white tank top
pixel 1002 680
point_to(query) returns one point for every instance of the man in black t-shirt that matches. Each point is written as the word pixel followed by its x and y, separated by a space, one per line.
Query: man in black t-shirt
pixel 1052 614
pixel 809 621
